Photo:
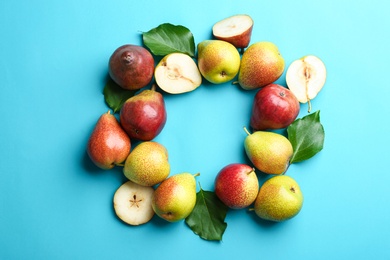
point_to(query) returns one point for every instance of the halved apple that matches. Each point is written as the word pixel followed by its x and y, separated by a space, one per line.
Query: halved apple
pixel 305 77
pixel 236 29
pixel 177 73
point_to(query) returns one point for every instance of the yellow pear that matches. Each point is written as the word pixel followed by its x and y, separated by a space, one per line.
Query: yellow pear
pixel 147 164
pixel 218 61
pixel 175 198
pixel 268 151
pixel 280 198
pixel 261 64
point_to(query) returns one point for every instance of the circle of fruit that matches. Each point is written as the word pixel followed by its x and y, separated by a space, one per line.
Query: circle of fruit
pixel 151 188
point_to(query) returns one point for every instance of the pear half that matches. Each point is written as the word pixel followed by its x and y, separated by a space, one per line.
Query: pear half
pixel 177 73
pixel 236 29
pixel 305 77
pixel 133 203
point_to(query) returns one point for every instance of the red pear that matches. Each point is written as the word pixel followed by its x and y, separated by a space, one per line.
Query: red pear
pixel 108 144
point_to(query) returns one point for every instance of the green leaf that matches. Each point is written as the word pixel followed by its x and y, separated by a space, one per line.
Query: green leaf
pixel 207 219
pixel 306 136
pixel 115 96
pixel 168 38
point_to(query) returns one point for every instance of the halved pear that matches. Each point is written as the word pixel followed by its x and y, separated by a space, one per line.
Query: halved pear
pixel 305 77
pixel 133 203
pixel 177 73
pixel 236 29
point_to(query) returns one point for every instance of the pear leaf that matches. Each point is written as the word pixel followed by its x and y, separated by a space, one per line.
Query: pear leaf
pixel 168 38
pixel 207 219
pixel 306 136
pixel 115 96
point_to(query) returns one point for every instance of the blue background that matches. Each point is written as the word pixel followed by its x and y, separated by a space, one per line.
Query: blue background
pixel 55 204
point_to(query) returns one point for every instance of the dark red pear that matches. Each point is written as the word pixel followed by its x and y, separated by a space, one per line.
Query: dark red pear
pixel 143 116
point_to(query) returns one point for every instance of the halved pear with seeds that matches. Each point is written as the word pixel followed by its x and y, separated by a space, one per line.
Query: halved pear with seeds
pixel 305 77
pixel 177 73
pixel 133 203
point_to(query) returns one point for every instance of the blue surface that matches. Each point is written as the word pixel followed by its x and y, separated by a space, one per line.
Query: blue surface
pixel 55 204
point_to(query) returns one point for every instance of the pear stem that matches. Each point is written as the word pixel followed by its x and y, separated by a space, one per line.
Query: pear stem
pixel 153 87
pixel 246 131
pixel 253 170
pixel 309 106
pixel 196 174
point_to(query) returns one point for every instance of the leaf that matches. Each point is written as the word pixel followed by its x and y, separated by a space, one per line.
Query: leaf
pixel 207 219
pixel 168 38
pixel 115 96
pixel 306 136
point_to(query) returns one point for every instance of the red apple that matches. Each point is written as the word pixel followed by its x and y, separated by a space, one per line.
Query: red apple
pixel 143 116
pixel 131 66
pixel 274 107
pixel 236 185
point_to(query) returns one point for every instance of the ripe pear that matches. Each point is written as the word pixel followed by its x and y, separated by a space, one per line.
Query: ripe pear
pixel 218 61
pixel 131 66
pixel 147 164
pixel 175 198
pixel 268 151
pixel 143 116
pixel 280 198
pixel 108 144
pixel 261 64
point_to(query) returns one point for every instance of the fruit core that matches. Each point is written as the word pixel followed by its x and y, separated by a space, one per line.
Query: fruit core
pixel 134 201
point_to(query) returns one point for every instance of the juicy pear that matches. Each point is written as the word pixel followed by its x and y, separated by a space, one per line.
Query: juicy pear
pixel 218 61
pixel 108 144
pixel 175 198
pixel 279 199
pixel 147 164
pixel 268 151
pixel 261 64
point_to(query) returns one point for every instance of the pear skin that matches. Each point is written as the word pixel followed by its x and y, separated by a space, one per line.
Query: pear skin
pixel 108 144
pixel 175 198
pixel 147 164
pixel 268 151
pixel 261 64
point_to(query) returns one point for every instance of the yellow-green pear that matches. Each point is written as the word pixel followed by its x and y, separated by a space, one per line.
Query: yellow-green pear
pixel 269 152
pixel 175 198
pixel 147 164
pixel 261 64
pixel 218 61
pixel 280 198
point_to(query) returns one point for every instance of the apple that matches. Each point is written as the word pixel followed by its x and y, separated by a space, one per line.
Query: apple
pixel 274 107
pixel 177 73
pixel 236 185
pixel 131 66
pixel 236 29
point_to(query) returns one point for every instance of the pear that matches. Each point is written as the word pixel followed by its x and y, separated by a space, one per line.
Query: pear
pixel 218 61
pixel 280 198
pixel 108 144
pixel 269 152
pixel 261 64
pixel 147 164
pixel 236 29
pixel 131 66
pixel 143 116
pixel 177 73
pixel 133 203
pixel 175 198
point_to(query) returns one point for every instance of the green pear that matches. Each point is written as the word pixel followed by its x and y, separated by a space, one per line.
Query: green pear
pixel 280 198
pixel 268 151
pixel 108 144
pixel 147 164
pixel 218 61
pixel 175 198
pixel 261 64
